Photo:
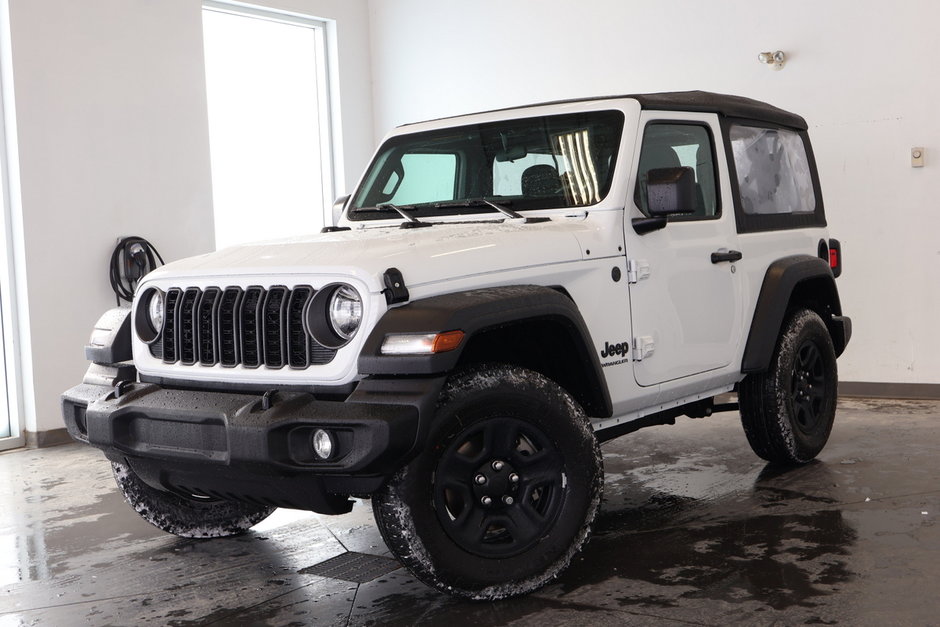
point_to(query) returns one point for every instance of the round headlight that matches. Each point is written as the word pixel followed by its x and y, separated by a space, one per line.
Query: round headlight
pixel 345 311
pixel 155 310
pixel 150 315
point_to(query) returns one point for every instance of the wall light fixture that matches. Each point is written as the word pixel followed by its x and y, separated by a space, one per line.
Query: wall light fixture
pixel 776 59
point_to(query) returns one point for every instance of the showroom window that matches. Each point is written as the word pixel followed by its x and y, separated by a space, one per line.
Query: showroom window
pixel 269 122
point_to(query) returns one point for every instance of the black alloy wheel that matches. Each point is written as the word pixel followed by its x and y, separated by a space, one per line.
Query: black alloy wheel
pixel 808 388
pixel 498 487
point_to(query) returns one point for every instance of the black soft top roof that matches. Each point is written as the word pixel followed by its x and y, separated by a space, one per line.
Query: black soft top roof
pixel 731 106
pixel 708 102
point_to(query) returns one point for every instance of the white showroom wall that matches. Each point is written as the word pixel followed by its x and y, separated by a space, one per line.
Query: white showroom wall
pixel 113 140
pixel 862 73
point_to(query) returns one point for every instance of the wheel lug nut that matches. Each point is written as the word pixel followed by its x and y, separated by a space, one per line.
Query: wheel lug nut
pixel 507 500
pixel 498 465
pixel 487 501
pixel 480 479
pixel 514 478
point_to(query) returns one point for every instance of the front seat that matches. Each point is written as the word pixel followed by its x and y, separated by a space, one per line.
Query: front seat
pixel 541 181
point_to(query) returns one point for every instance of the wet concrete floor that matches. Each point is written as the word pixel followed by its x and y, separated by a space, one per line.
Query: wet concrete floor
pixel 694 529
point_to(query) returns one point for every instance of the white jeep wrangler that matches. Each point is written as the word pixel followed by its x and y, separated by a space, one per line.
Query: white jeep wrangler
pixel 503 292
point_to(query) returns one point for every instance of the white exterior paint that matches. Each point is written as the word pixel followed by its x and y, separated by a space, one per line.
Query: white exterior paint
pixel 858 71
pixel 696 312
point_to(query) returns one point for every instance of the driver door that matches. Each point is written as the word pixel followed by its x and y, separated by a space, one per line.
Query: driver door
pixel 686 304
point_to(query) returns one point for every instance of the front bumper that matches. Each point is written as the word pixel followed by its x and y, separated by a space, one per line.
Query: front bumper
pixel 252 447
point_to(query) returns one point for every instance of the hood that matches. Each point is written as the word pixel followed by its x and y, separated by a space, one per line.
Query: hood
pixel 423 255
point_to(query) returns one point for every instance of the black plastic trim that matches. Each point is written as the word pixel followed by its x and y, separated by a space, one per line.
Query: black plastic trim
pixel 337 391
pixel 222 442
pixel 316 318
pixel 186 326
pixel 170 334
pixel 207 331
pixel 228 323
pixel 395 289
pixel 474 312
pixel 142 324
pixel 116 347
pixel 249 314
pixel 274 327
pixel 642 226
pixel 774 301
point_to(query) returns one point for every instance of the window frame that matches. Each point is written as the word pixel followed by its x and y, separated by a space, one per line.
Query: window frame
pixel 760 222
pixel 714 154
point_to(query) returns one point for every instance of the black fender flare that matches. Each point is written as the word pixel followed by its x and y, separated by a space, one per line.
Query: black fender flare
pixel 475 312
pixel 813 278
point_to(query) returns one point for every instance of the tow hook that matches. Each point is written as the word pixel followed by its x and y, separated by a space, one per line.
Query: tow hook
pixel 267 399
pixel 122 387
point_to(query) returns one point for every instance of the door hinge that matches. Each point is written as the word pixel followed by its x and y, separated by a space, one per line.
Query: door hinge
pixel 637 270
pixel 643 347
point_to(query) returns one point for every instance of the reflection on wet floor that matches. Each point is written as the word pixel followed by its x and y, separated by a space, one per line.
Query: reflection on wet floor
pixel 693 529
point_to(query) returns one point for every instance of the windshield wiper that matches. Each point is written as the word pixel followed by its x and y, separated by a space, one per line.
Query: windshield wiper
pixel 410 222
pixel 479 202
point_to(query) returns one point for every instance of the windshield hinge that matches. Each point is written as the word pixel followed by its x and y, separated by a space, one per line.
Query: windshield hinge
pixel 637 270
pixel 395 290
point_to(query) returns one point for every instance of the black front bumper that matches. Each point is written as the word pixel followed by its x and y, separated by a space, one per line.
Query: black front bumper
pixel 254 448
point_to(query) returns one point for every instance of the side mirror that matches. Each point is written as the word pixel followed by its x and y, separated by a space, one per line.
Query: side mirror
pixel 670 191
pixel 338 205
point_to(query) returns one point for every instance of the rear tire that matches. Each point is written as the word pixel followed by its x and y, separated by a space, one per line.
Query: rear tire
pixel 504 493
pixel 187 518
pixel 788 411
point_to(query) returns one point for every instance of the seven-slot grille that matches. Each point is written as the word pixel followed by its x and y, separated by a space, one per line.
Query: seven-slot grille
pixel 249 327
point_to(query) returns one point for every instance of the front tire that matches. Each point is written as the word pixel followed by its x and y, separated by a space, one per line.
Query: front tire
pixel 788 411
pixel 187 518
pixel 505 491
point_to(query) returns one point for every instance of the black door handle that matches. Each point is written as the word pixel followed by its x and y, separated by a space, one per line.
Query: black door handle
pixel 731 255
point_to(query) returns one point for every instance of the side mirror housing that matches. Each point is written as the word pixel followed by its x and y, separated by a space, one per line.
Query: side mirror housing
pixel 338 205
pixel 670 191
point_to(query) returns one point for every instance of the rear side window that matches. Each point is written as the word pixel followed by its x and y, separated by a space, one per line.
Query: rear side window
pixel 773 171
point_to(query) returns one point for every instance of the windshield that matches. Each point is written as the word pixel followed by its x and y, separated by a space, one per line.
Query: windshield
pixel 531 163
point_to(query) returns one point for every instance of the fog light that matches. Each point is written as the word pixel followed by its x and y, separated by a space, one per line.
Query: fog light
pixel 322 444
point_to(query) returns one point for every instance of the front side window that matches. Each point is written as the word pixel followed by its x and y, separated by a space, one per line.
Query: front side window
pixel 773 171
pixel 673 145
pixel 531 163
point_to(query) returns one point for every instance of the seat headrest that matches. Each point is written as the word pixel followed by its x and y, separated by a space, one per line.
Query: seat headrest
pixel 541 180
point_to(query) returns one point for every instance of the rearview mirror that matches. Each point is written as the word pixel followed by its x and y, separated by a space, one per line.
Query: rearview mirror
pixel 670 191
